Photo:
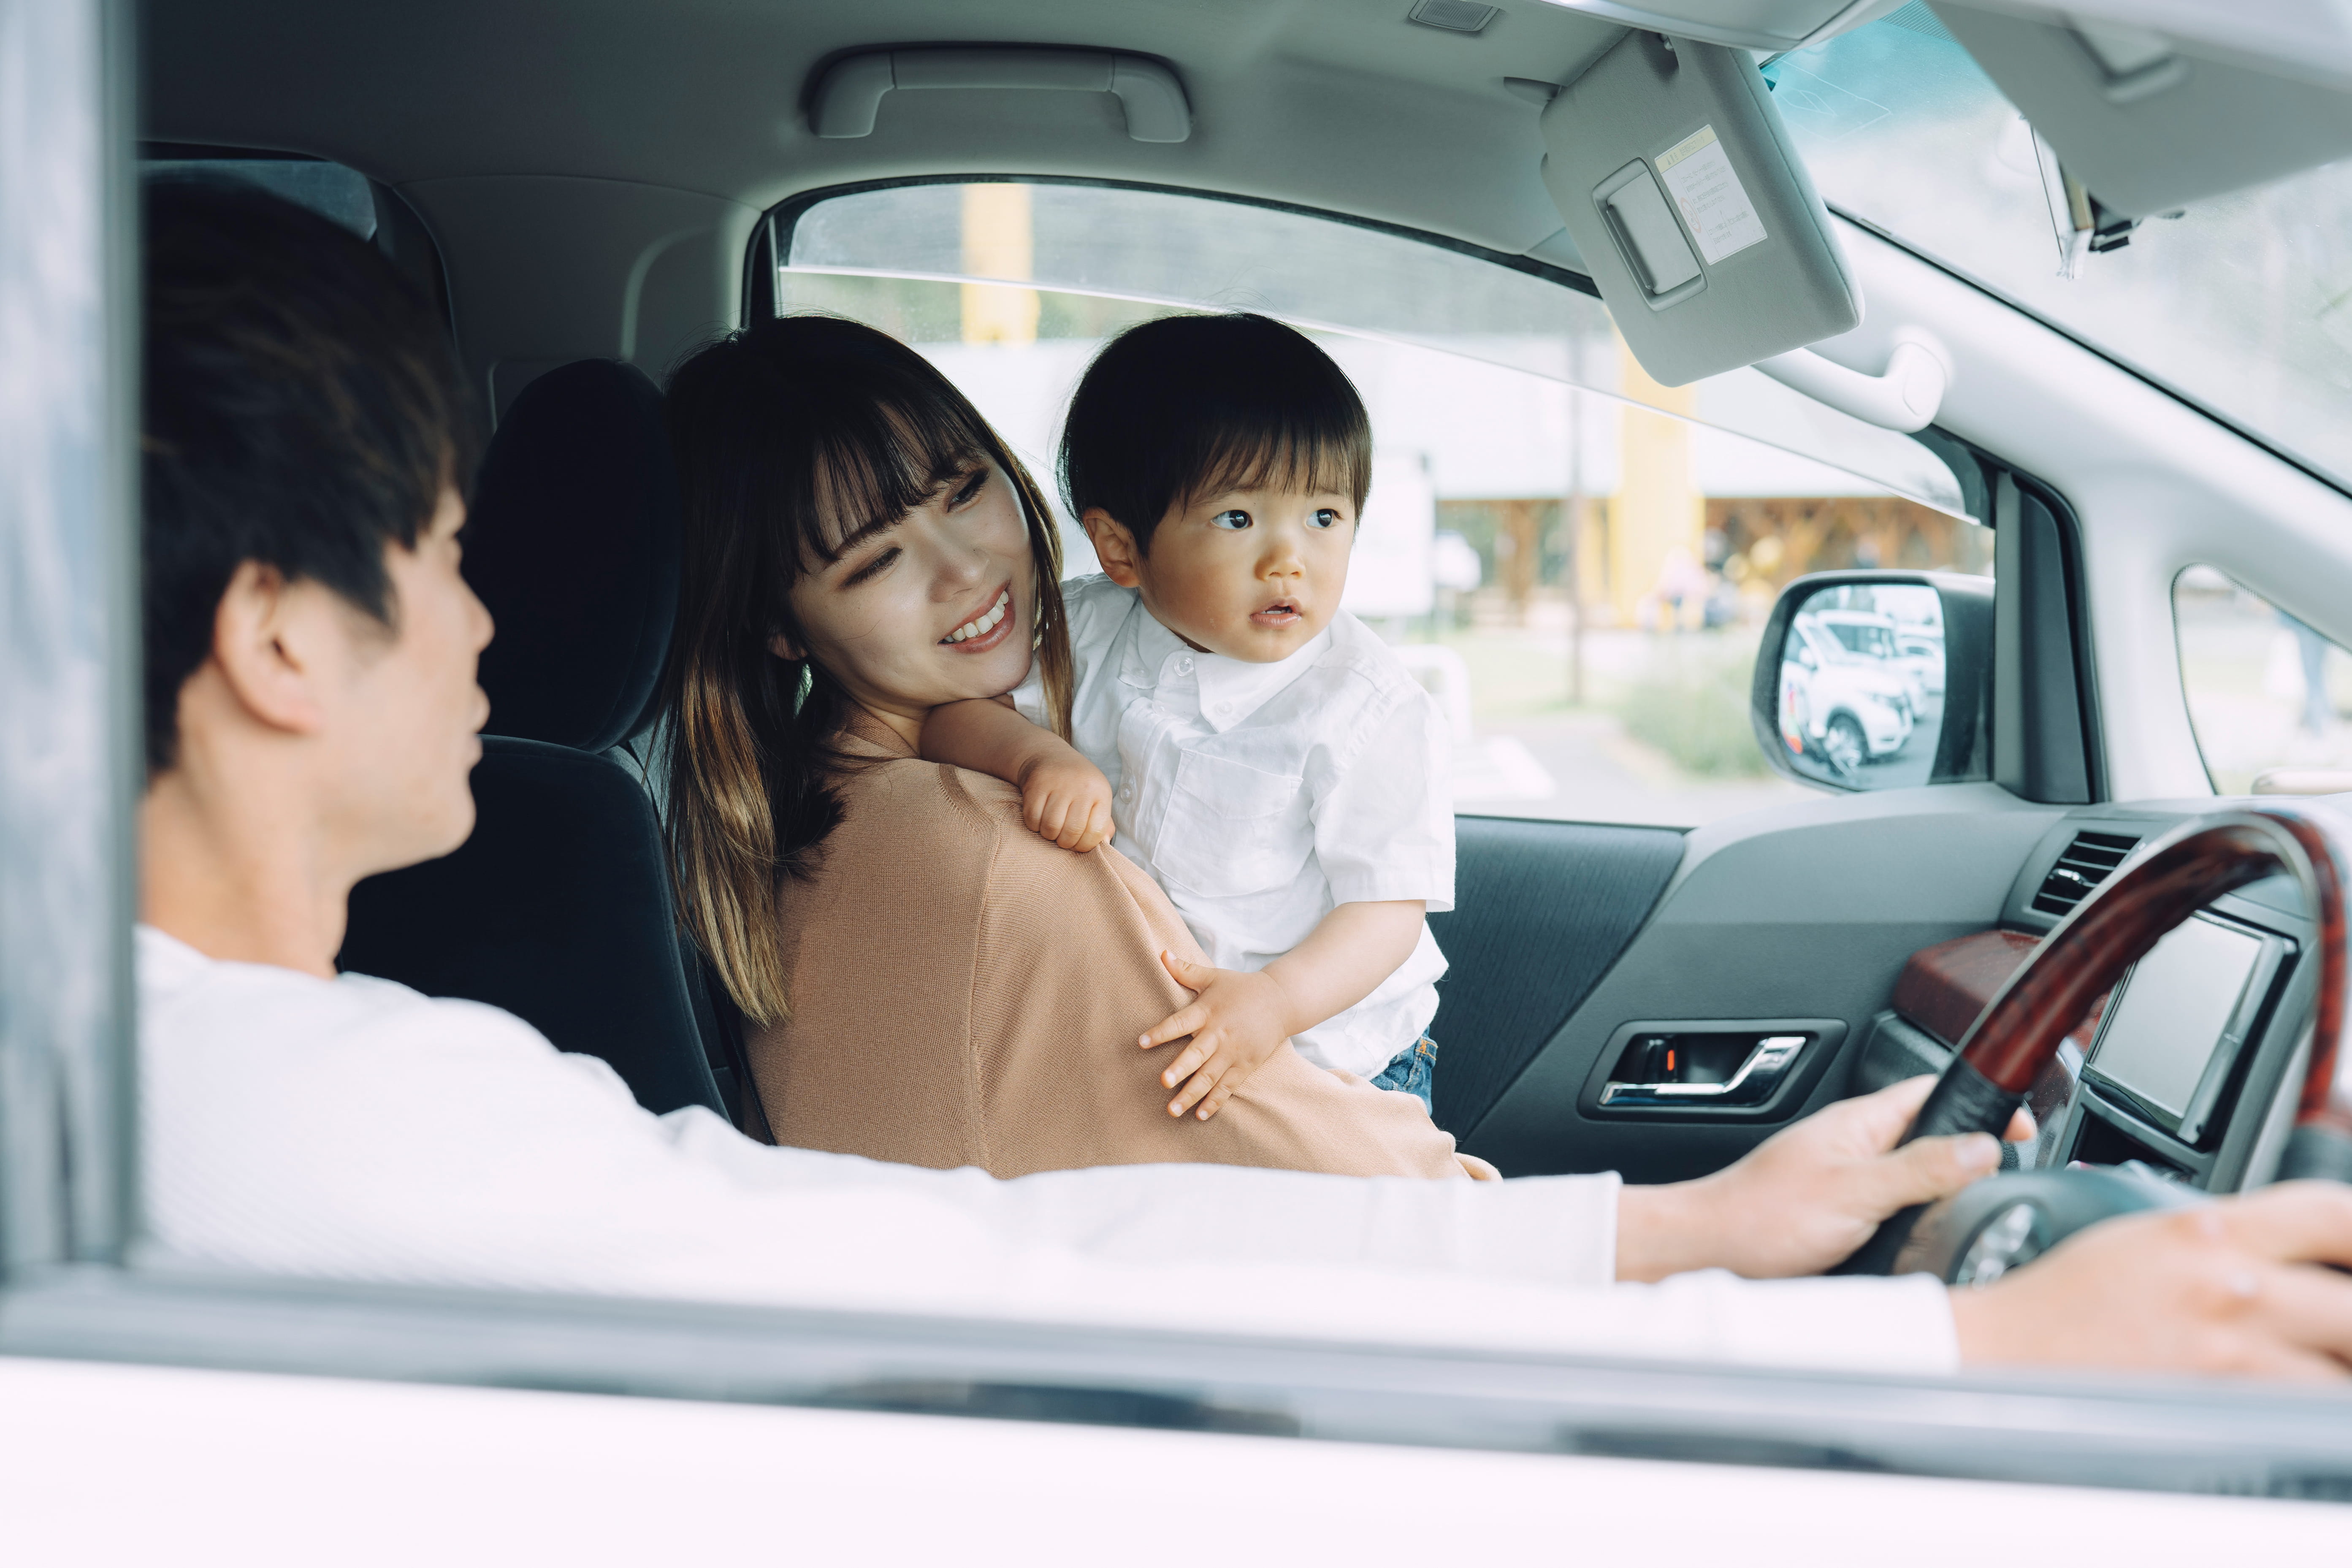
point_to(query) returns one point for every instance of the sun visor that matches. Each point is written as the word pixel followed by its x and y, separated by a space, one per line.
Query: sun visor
pixel 2144 124
pixel 1680 187
pixel 1772 25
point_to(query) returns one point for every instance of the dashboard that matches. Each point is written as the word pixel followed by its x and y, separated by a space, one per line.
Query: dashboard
pixel 2180 1065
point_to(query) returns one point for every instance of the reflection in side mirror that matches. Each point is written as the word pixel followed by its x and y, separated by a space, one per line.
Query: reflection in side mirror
pixel 1878 680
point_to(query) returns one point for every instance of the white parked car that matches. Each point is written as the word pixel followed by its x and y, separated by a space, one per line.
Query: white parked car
pixel 1922 652
pixel 1848 708
pixel 1867 635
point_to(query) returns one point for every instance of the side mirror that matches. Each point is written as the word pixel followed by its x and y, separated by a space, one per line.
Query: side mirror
pixel 1877 680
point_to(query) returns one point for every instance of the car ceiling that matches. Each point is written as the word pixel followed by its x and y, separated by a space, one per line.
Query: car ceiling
pixel 1340 104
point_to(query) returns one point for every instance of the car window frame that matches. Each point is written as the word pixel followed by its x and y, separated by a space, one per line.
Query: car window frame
pixel 772 237
pixel 1977 472
pixel 91 1294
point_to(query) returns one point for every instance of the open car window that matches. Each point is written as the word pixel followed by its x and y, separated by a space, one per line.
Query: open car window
pixel 1537 496
pixel 1577 559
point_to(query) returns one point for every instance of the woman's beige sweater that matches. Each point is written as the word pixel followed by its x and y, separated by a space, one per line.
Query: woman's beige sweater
pixel 966 994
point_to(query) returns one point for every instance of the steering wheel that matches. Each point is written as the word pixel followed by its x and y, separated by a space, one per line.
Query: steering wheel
pixel 2005 1221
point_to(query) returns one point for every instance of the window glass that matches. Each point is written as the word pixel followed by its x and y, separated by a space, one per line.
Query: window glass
pixel 2266 691
pixel 1111 244
pixel 1578 560
pixel 2244 303
pixel 329 189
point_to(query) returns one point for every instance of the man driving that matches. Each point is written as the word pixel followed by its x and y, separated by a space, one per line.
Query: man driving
pixel 311 718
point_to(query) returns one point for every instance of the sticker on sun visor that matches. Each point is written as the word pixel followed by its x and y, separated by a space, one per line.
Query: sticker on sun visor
pixel 1713 202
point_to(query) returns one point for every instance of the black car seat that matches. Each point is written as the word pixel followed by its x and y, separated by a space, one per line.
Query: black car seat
pixel 559 907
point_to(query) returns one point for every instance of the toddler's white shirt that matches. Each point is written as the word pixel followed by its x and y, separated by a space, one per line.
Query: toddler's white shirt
pixel 1261 796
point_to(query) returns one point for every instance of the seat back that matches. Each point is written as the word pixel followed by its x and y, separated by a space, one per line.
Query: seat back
pixel 558 906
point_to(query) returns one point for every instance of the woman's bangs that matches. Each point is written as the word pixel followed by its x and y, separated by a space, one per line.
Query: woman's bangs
pixel 873 465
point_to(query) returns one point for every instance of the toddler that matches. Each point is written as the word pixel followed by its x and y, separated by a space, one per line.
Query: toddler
pixel 1257 750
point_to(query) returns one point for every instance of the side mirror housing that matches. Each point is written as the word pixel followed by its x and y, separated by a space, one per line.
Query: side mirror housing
pixel 1877 680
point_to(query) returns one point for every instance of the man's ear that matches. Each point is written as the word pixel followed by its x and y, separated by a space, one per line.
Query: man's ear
pixel 1114 547
pixel 269 645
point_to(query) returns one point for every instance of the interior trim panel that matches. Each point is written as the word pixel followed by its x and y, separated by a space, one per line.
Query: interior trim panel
pixel 1861 938
pixel 1809 910
pixel 1569 892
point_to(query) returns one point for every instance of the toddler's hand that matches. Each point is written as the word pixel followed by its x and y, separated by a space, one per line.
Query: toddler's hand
pixel 1239 1018
pixel 1066 799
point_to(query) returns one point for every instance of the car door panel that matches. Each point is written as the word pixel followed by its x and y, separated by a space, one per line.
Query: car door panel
pixel 1542 909
pixel 1809 911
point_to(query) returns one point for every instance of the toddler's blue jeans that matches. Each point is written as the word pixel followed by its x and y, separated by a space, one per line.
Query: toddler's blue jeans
pixel 1411 1070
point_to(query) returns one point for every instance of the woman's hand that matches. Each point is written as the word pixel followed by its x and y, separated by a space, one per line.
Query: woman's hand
pixel 2227 1287
pixel 1806 1197
pixel 1238 1018
pixel 1065 797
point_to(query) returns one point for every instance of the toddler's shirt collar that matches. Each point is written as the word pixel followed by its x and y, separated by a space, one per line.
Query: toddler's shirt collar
pixel 1231 688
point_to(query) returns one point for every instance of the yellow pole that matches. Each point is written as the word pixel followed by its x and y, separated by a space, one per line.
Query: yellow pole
pixel 996 244
pixel 1658 510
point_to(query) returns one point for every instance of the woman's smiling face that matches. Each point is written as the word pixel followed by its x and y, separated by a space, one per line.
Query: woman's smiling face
pixel 935 607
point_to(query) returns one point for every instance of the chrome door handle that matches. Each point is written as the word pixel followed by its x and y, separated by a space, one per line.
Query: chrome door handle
pixel 1758 1077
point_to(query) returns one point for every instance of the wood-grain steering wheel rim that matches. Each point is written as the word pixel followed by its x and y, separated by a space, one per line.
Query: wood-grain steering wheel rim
pixel 2020 1029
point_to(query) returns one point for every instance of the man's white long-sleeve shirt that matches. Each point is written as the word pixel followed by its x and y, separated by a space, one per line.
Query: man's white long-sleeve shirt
pixel 354 1130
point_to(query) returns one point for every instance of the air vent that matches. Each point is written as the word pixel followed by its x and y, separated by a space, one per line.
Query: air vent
pixel 2087 862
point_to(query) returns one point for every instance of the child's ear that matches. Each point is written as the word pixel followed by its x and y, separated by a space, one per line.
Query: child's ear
pixel 1114 547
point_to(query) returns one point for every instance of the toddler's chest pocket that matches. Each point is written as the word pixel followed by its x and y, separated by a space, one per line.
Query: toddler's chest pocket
pixel 1232 829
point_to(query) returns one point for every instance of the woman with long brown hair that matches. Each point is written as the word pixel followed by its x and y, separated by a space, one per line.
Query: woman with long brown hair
pixel 928 981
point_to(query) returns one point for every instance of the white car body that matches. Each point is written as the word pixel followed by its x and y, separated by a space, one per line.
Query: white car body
pixel 1923 654
pixel 113 1465
pixel 1832 684
pixel 1867 635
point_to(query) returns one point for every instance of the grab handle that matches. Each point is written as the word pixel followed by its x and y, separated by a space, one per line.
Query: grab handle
pixel 849 95
pixel 1907 397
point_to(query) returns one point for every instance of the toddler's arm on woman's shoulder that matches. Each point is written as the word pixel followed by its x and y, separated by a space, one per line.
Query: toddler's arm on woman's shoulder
pixel 1064 797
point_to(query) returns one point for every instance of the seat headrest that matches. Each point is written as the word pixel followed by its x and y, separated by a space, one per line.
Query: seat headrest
pixel 573 546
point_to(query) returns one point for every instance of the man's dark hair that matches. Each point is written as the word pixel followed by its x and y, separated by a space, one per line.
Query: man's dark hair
pixel 1189 407
pixel 302 408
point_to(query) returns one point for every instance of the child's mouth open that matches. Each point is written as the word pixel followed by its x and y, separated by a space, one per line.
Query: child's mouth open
pixel 1280 615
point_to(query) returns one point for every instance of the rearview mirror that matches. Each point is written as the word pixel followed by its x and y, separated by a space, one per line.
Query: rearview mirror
pixel 1877 680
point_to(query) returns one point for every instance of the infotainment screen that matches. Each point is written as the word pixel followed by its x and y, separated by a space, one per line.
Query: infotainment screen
pixel 2180 1001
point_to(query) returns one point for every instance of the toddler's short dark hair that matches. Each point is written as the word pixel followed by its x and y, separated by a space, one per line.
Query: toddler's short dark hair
pixel 302 408
pixel 1188 406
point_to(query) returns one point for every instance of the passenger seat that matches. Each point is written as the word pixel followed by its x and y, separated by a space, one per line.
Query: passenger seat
pixel 559 907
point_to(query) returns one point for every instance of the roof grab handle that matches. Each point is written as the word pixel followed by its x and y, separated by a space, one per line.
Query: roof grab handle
pixel 849 94
pixel 1906 397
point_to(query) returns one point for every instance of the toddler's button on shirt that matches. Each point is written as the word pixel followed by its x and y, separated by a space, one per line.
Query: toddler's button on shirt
pixel 1262 795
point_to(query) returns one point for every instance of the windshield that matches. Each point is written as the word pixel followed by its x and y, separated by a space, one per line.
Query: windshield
pixel 2243 304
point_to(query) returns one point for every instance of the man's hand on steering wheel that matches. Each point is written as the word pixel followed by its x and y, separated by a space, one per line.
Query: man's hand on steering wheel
pixel 1807 1196
pixel 2228 1287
